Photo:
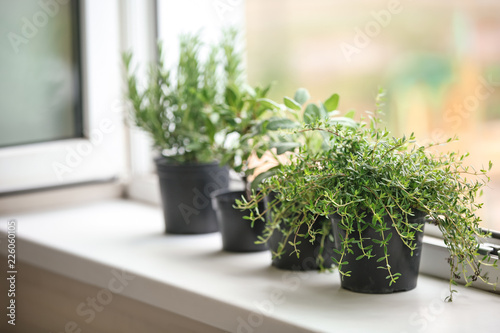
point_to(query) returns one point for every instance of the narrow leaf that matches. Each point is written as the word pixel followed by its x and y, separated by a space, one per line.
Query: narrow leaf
pixel 281 123
pixel 261 176
pixel 269 103
pixel 290 103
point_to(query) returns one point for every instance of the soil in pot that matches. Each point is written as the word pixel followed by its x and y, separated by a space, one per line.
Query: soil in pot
pixel 366 277
pixel 237 232
pixel 186 191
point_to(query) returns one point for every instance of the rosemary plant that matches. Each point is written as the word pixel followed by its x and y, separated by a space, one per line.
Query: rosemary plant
pixel 179 106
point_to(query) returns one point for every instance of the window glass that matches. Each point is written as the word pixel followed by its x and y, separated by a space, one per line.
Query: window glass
pixel 438 60
pixel 39 72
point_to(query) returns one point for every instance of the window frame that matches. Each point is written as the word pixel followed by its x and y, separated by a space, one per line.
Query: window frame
pixel 100 154
pixel 139 31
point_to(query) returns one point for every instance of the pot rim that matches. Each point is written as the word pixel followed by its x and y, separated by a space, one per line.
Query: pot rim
pixel 163 162
pixel 224 191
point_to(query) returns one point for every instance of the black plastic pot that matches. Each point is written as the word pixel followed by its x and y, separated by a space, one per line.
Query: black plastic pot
pixel 237 232
pixel 309 252
pixel 365 276
pixel 185 194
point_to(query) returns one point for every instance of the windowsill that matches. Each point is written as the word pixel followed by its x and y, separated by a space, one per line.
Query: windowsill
pixel 191 276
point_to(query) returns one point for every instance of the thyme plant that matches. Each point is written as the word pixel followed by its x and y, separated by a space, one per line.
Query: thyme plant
pixel 374 180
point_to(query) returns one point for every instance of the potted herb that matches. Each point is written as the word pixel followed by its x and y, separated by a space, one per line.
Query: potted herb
pixel 378 191
pixel 295 243
pixel 178 108
pixel 244 114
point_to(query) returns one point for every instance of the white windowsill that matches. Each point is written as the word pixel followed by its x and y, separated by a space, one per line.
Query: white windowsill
pixel 191 276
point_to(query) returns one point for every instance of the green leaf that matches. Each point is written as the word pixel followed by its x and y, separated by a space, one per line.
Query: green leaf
pixel 344 121
pixel 270 104
pixel 301 96
pixel 350 114
pixel 231 96
pixel 210 128
pixel 281 123
pixel 261 176
pixel 323 113
pixel 332 102
pixel 282 147
pixel 312 114
pixel 290 103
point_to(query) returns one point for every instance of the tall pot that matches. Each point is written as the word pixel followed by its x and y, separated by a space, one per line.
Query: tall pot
pixel 185 194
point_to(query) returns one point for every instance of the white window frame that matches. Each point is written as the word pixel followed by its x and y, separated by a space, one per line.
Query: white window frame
pixel 100 154
pixel 139 31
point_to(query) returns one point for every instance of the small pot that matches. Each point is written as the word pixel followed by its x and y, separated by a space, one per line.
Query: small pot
pixel 365 276
pixel 185 194
pixel 309 252
pixel 237 232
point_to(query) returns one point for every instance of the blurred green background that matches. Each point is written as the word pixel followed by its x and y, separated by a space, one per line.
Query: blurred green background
pixel 438 60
